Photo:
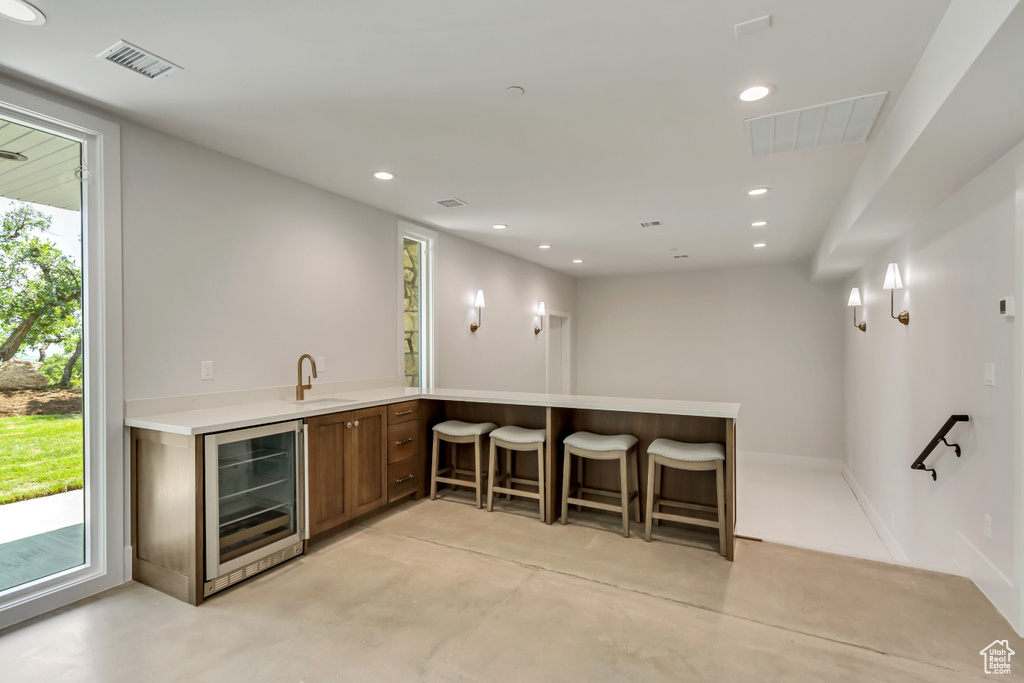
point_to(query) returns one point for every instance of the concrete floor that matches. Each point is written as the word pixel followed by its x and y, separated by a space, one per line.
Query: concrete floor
pixel 442 591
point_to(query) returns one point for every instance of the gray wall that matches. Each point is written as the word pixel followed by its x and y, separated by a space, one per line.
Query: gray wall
pixel 763 337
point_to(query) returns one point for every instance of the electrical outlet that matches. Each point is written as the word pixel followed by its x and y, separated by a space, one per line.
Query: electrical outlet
pixel 207 369
pixel 320 364
pixel 988 527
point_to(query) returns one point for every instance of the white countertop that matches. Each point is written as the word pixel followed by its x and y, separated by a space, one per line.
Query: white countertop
pixel 218 419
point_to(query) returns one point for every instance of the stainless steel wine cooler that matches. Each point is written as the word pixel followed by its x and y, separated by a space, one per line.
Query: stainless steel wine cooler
pixel 255 511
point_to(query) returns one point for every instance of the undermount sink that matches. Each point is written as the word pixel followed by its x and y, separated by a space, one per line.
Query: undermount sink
pixel 321 401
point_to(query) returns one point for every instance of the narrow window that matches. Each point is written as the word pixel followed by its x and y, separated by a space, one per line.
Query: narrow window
pixel 416 259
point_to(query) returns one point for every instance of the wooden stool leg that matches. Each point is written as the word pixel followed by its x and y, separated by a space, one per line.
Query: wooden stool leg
pixel 541 489
pixel 476 454
pixel 634 474
pixel 624 495
pixel 565 486
pixel 579 481
pixel 657 490
pixel 720 479
pixel 491 465
pixel 433 470
pixel 651 465
pixel 508 472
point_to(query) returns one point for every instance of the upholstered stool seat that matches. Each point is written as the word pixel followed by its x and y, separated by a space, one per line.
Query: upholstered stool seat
pixel 456 432
pixel 513 439
pixel 692 457
pixel 589 446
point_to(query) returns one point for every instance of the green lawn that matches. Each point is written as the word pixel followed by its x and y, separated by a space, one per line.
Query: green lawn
pixel 40 455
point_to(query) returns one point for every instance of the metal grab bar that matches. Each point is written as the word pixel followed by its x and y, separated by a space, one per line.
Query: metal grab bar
pixel 940 436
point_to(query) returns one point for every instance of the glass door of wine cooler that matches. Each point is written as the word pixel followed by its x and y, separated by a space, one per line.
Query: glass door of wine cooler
pixel 254 492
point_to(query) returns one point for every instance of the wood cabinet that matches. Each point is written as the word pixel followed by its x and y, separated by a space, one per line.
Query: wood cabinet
pixel 405 450
pixel 346 468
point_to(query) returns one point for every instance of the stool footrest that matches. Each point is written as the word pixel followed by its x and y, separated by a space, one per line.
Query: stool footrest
pixel 686 506
pixel 684 520
pixel 598 506
pixel 456 482
pixel 517 492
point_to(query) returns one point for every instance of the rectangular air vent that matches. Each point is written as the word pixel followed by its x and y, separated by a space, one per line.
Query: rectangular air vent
pixel 450 203
pixel 835 123
pixel 138 60
pixel 650 224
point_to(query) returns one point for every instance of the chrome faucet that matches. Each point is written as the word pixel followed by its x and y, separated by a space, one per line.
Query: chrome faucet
pixel 300 388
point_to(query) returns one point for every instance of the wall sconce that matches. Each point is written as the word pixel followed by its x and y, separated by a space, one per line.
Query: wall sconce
pixel 541 312
pixel 855 301
pixel 473 327
pixel 893 281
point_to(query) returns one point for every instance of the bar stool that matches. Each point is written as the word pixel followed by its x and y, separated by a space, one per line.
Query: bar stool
pixel 621 447
pixel 692 457
pixel 456 432
pixel 512 439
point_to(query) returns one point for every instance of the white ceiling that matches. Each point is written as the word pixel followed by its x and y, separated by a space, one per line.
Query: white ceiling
pixel 630 112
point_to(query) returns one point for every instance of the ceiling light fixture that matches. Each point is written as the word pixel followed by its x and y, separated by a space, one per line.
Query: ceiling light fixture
pixel 499 226
pixel 577 260
pixel 21 12
pixel 759 245
pixel 544 246
pixel 12 156
pixel 757 92
pixel 379 175
pixel 758 224
pixel 757 191
pixel 514 91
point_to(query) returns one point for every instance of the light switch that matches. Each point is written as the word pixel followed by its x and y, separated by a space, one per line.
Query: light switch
pixel 990 374
pixel 207 369
pixel 320 364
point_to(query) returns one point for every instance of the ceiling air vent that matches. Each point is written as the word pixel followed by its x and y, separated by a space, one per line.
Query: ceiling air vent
pixel 681 256
pixel 650 224
pixel 138 60
pixel 835 123
pixel 450 203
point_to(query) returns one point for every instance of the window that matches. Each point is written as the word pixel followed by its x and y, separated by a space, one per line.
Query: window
pixel 416 258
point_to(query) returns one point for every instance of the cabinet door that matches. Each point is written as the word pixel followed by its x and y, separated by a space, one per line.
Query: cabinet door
pixel 366 455
pixel 327 472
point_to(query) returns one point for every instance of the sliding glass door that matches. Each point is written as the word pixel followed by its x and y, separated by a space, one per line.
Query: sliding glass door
pixel 62 493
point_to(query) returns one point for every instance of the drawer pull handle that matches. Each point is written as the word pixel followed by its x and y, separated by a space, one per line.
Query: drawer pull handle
pixel 405 478
pixel 399 443
pixel 404 412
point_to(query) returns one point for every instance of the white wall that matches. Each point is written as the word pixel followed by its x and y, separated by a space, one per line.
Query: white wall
pixel 229 262
pixel 902 383
pixel 764 337
pixel 504 354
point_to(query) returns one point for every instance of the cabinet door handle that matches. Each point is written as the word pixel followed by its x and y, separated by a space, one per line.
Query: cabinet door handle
pixel 356 423
pixel 348 426
pixel 405 478
pixel 404 412
pixel 399 443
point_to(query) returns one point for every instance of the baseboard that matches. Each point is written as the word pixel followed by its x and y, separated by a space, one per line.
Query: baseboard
pixel 785 460
pixel 986 576
pixel 876 520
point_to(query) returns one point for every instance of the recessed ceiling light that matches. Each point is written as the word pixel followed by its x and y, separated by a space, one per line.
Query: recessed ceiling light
pixel 499 226
pixel 544 246
pixel 577 260
pixel 21 12
pixel 757 191
pixel 12 156
pixel 758 224
pixel 759 245
pixel 757 92
pixel 379 175
pixel 514 91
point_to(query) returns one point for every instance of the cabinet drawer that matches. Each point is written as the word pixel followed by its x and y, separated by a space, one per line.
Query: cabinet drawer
pixel 403 440
pixel 403 478
pixel 403 412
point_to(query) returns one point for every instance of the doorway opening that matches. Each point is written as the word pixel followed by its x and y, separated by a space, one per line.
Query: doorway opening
pixel 559 377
